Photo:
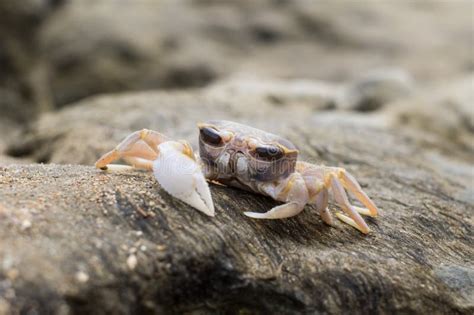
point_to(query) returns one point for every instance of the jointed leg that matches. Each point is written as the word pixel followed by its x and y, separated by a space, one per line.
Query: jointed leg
pixel 354 219
pixel 152 138
pixel 351 184
pixel 293 192
pixel 138 154
pixel 139 148
pixel 322 206
pixel 280 212
pixel 173 163
pixel 140 163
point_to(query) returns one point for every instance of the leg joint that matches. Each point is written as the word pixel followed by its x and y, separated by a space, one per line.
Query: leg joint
pixel 143 133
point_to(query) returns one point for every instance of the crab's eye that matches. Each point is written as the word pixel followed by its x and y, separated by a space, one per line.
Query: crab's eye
pixel 269 153
pixel 210 136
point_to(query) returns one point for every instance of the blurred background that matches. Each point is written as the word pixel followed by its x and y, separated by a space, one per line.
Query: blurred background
pixel 338 55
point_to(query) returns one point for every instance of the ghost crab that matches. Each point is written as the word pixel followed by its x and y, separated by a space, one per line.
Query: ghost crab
pixel 240 156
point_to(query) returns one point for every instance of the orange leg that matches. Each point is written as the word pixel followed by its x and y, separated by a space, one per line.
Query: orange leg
pixel 140 163
pixel 354 219
pixel 322 206
pixel 351 184
pixel 139 149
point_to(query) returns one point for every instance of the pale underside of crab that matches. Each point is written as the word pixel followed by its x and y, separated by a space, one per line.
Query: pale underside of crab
pixel 241 156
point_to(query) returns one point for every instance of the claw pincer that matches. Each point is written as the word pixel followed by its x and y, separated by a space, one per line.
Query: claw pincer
pixel 181 176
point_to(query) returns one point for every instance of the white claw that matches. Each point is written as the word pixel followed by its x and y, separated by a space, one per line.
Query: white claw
pixel 182 177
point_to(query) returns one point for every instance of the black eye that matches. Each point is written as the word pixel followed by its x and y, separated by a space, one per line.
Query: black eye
pixel 269 153
pixel 210 136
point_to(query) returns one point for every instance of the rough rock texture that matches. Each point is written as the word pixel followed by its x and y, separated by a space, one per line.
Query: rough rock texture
pixel 382 88
pixel 73 239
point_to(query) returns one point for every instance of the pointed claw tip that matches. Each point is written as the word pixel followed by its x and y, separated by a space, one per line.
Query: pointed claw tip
pixel 208 212
pixel 373 214
pixel 199 206
pixel 254 215
pixel 377 211
pixel 364 230
pixel 97 165
pixel 212 213
pixel 182 177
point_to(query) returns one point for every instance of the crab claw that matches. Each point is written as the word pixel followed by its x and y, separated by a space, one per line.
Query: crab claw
pixel 178 172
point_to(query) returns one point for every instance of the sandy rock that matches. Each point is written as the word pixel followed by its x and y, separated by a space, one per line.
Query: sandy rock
pixel 195 263
pixel 74 239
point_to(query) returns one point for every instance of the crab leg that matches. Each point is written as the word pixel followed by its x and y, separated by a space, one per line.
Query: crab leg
pixel 280 212
pixel 172 162
pixel 354 218
pixel 294 192
pixel 322 206
pixel 351 184
pixel 137 162
pixel 142 144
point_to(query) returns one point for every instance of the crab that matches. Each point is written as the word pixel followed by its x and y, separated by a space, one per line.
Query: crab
pixel 240 156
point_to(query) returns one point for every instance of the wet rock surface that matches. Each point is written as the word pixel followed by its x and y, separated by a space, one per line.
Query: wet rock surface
pixel 74 239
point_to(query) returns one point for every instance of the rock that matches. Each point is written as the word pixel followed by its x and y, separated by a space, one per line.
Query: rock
pixel 374 89
pixel 318 95
pixel 460 279
pixel 443 112
pixel 139 46
pixel 10 132
pixel 59 52
pixel 77 240
pixel 22 90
